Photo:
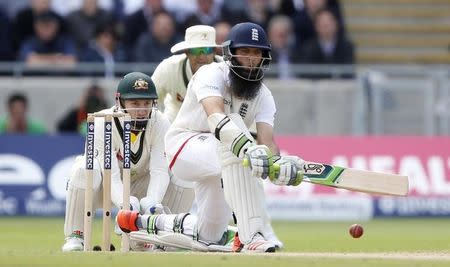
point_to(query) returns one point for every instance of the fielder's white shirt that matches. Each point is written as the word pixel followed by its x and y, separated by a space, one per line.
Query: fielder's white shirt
pixel 147 155
pixel 212 80
pixel 171 79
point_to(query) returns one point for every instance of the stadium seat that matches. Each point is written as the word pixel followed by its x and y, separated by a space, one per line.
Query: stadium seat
pixel 401 31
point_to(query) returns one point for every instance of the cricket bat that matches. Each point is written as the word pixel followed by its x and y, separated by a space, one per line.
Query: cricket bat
pixel 355 180
pixel 370 182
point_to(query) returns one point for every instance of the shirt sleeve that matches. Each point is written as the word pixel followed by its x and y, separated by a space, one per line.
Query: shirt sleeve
pixel 25 50
pixel 116 176
pixel 267 109
pixel 116 182
pixel 68 47
pixel 208 81
pixel 158 77
pixel 159 169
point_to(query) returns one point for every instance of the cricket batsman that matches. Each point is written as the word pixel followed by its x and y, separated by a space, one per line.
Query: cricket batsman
pixel 207 144
pixel 171 79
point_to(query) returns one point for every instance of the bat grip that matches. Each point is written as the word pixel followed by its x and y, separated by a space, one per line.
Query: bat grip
pixel 246 162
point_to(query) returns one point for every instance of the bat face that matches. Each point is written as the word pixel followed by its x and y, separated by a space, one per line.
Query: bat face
pixel 356 180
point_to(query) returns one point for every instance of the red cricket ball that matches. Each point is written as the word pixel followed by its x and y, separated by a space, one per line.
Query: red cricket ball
pixel 356 230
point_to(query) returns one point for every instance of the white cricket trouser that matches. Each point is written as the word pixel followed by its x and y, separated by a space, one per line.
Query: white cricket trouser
pixel 196 160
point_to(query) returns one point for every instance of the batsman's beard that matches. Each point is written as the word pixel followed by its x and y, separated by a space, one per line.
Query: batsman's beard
pixel 242 88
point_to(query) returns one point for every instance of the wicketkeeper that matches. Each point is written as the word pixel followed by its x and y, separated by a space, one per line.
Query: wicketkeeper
pixel 136 95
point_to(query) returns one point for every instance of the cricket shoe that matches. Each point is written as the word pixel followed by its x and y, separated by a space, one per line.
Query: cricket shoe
pixel 126 219
pixel 257 245
pixel 272 237
pixel 117 229
pixel 74 242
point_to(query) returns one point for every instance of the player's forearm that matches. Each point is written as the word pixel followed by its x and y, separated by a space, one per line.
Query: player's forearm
pixel 159 181
pixel 271 145
pixel 116 183
pixel 213 104
pixel 273 148
pixel 265 137
pixel 159 170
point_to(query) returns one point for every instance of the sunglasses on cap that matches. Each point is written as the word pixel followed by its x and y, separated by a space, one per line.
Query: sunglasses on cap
pixel 201 50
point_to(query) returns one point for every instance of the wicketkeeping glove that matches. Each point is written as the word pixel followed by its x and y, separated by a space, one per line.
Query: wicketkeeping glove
pixel 149 206
pixel 134 203
pixel 288 170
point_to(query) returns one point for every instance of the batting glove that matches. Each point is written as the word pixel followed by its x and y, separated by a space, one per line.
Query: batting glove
pixel 288 170
pixel 259 159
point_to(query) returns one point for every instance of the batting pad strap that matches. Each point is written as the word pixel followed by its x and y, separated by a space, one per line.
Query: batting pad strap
pixel 219 126
pixel 151 224
pixel 178 222
pixel 229 133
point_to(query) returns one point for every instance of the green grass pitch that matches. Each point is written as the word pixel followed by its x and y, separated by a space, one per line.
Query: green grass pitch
pixel 390 242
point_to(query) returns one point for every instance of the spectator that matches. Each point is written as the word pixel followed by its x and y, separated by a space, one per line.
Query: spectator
pixel 222 29
pixel 129 6
pixel 304 20
pixel 335 7
pixel 284 7
pixel 258 11
pixel 283 45
pixel 47 46
pixel 137 23
pixel 17 121
pixel 5 37
pixel 155 44
pixel 209 12
pixel 329 47
pixel 74 121
pixel 82 23
pixel 64 7
pixel 105 49
pixel 23 25
pixel 180 9
pixel 12 7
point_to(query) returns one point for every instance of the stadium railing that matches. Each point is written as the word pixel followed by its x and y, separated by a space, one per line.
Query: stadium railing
pixel 329 99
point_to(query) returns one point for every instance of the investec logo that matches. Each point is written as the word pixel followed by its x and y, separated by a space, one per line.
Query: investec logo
pixel 90 147
pixel 126 145
pixel 107 144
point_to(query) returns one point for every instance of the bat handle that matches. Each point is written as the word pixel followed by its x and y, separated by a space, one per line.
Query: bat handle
pixel 246 162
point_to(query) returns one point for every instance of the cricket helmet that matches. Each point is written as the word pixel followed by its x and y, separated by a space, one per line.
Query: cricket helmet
pixel 252 35
pixel 136 85
pixel 133 86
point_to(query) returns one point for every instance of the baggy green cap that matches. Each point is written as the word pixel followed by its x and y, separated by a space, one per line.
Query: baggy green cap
pixel 136 85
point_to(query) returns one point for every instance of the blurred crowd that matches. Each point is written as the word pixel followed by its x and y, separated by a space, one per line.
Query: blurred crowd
pixel 18 119
pixel 40 32
pixel 63 33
